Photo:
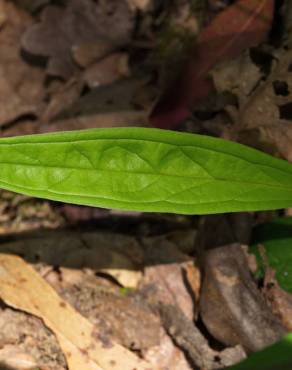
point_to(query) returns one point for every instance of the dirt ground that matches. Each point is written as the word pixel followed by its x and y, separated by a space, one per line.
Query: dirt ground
pixel 95 289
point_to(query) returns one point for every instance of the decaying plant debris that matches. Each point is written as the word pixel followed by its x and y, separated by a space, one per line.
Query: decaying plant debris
pixel 85 288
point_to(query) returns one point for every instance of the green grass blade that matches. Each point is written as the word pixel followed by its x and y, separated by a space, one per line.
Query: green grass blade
pixel 276 237
pixel 275 357
pixel 146 170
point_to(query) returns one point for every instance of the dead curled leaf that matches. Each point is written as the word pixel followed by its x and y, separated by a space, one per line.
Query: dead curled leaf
pixel 21 85
pixel 265 116
pixel 22 288
pixel 81 22
pixel 225 77
pixel 231 306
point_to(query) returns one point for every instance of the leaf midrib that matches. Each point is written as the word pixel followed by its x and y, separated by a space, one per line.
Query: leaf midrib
pixel 180 145
pixel 211 178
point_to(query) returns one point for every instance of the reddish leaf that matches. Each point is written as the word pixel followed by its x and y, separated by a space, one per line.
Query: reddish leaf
pixel 240 26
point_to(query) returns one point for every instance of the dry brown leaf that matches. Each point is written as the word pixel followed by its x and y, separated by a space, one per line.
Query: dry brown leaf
pixel 278 138
pixel 225 77
pixel 140 4
pixel 64 96
pixel 108 70
pixel 80 22
pixel 124 95
pixel 87 53
pixel 21 85
pixel 76 359
pixel 265 106
pixel 264 117
pixel 22 287
pixel 112 105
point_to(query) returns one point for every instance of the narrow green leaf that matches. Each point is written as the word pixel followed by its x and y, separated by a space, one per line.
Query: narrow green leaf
pixel 145 170
pixel 275 357
pixel 276 236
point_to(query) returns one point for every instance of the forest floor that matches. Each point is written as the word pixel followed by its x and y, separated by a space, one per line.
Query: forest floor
pixel 88 288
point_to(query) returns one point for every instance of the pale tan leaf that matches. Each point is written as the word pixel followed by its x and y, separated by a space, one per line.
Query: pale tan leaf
pixel 23 288
pixel 127 278
pixel 76 359
pixel 123 270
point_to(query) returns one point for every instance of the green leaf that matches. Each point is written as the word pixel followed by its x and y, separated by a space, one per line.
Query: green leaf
pixel 276 236
pixel 145 170
pixel 275 357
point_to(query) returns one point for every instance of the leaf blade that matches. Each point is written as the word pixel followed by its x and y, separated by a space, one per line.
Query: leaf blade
pixel 146 170
pixel 277 356
pixel 276 237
